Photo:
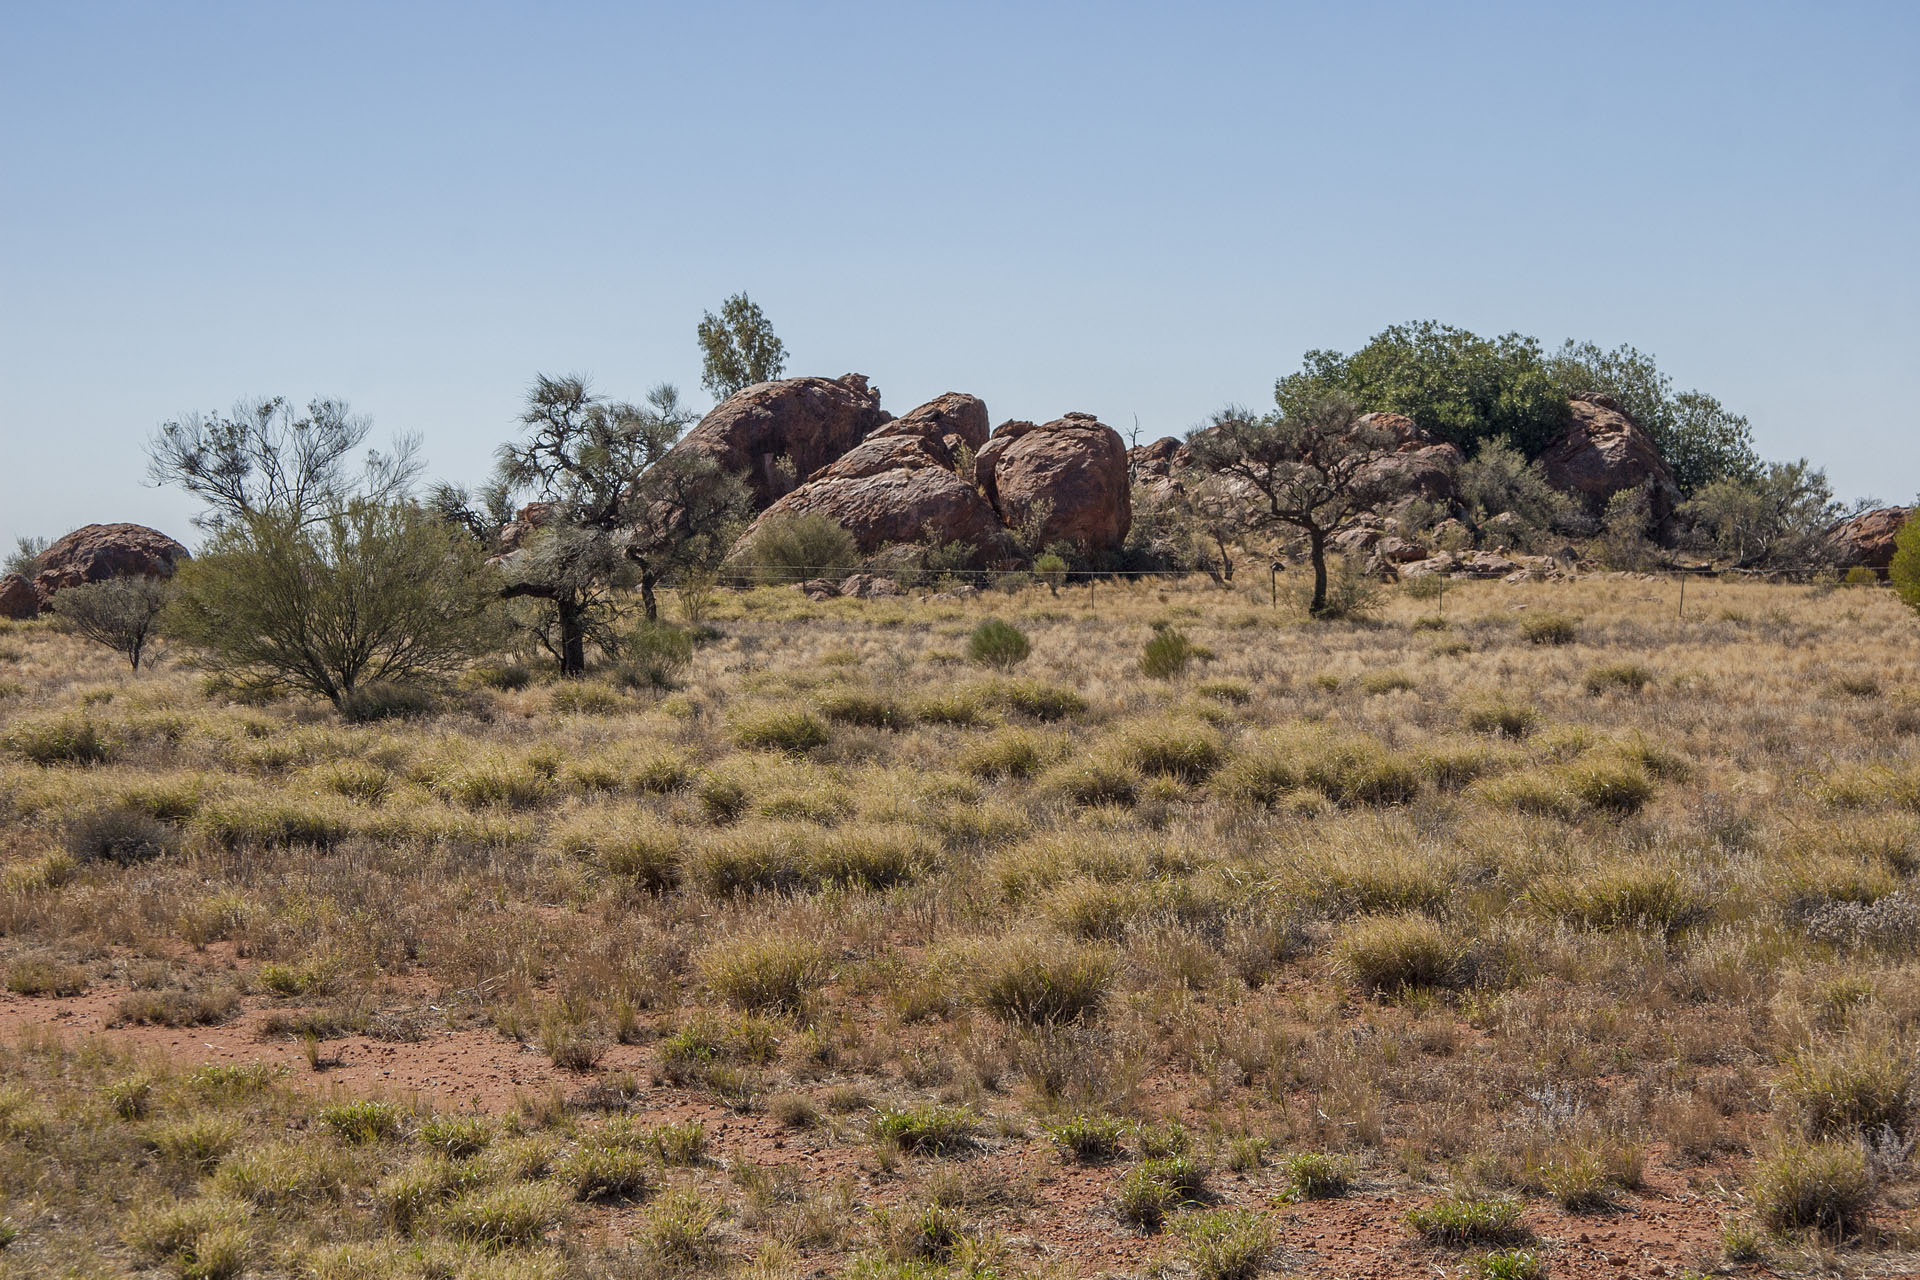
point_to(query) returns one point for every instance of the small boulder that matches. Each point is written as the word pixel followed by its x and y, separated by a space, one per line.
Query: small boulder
pixel 1444 562
pixel 1602 452
pixel 1420 466
pixel 777 434
pixel 97 552
pixel 1076 465
pixel 18 600
pixel 1866 541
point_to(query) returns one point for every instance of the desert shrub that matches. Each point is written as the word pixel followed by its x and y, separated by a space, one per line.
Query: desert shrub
pixel 206 1006
pixel 514 1214
pixel 1507 719
pixel 1234 692
pixel 1824 1186
pixel 584 698
pixel 1034 698
pixel 1610 785
pixel 961 708
pixel 1167 654
pixel 1630 676
pixel 1629 897
pixel 1549 628
pixel 1155 1187
pixel 384 700
pixel 932 1129
pixel 1225 1244
pixel 722 798
pixel 197 1142
pixel 456 1137
pixel 1400 952
pixel 1052 570
pixel 118 835
pixel 605 1173
pixel 653 655
pixel 780 729
pixel 679 1230
pixel 1095 780
pixel 69 738
pixel 1189 752
pixel 282 1174
pixel 1090 1139
pixel 764 973
pixel 1469 1220
pixel 1376 683
pixel 793 856
pixel 44 976
pixel 1852 1089
pixel 1509 1264
pixel 204 1239
pixel 1033 981
pixel 1315 1175
pixel 1000 644
pixel 363 1121
pixel 496 780
pixel 278 823
pixel 797 547
pixel 865 710
pixel 1008 753
pixel 1353 771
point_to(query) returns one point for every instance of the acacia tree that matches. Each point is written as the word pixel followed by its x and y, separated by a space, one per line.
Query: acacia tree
pixel 268 459
pixel 623 508
pixel 121 613
pixel 1905 569
pixel 1314 468
pixel 365 591
pixel 738 347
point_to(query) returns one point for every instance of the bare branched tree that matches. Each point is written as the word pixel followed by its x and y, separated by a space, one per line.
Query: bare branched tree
pixel 268 459
pixel 1315 469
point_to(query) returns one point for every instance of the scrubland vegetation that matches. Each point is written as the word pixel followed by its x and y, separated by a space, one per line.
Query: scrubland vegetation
pixel 872 937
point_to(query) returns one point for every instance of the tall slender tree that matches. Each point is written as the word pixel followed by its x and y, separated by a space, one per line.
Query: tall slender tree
pixel 738 347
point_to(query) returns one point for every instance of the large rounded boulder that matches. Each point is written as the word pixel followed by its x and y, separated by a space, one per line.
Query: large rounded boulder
pixel 778 434
pixel 1419 466
pixel 1074 468
pixel 1866 540
pixel 896 489
pixel 1603 452
pixel 97 552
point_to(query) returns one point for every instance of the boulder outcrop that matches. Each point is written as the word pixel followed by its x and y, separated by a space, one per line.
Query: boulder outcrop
pixel 956 420
pixel 1866 541
pixel 18 600
pixel 97 552
pixel 1075 465
pixel 1419 467
pixel 778 434
pixel 1603 452
pixel 895 488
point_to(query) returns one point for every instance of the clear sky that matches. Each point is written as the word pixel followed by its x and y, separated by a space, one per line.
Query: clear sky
pixel 1140 211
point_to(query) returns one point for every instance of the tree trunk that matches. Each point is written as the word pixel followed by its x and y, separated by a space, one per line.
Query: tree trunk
pixel 647 600
pixel 573 639
pixel 1317 547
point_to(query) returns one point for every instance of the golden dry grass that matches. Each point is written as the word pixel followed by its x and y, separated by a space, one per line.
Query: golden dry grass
pixel 1433 903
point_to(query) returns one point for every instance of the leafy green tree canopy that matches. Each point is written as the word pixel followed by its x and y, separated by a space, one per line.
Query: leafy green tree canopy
pixel 370 591
pixel 1466 389
pixel 1905 570
pixel 738 347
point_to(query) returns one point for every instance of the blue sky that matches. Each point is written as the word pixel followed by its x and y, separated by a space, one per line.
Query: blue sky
pixel 1140 211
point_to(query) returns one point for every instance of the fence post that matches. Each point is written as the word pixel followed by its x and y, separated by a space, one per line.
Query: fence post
pixel 1273 585
pixel 1683 593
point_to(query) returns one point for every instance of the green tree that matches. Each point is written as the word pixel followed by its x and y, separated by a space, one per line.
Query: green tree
pixel 367 591
pixel 738 347
pixel 627 510
pixel 123 614
pixel 24 559
pixel 1777 520
pixel 1905 570
pixel 1458 386
pixel 792 548
pixel 1313 466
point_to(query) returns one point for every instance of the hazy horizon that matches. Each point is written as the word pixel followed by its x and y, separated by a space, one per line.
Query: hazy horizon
pixel 1136 213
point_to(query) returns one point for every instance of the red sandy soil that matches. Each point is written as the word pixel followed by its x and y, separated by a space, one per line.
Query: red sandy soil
pixel 1670 1227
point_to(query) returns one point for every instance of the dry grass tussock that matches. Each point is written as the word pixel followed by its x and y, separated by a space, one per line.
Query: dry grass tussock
pixel 1513 916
